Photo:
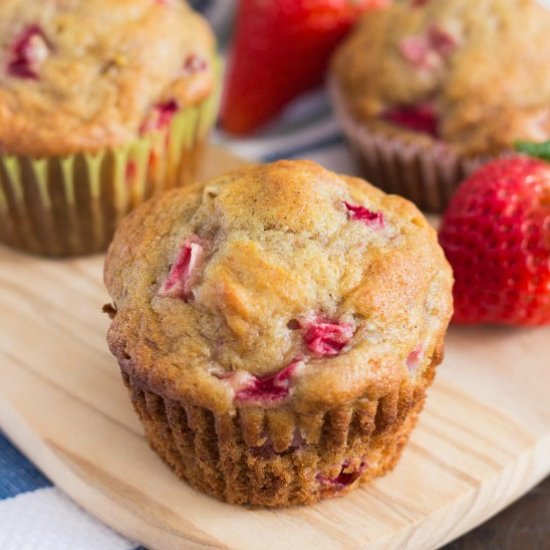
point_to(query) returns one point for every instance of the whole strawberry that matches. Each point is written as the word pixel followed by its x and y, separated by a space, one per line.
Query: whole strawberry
pixel 281 49
pixel 496 235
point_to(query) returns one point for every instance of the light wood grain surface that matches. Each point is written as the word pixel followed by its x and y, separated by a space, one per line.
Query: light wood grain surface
pixel 482 441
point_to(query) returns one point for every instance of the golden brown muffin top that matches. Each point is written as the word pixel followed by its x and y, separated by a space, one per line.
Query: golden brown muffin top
pixel 283 283
pixel 81 75
pixel 480 68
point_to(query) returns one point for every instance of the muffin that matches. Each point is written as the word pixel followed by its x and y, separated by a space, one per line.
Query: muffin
pixel 102 104
pixel 277 329
pixel 426 91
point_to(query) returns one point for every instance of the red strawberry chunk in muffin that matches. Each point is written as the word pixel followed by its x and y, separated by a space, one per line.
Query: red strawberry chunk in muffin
pixel 186 270
pixel 414 359
pixel 361 213
pixel 442 40
pixel 418 118
pixel 416 50
pixel 272 388
pixel 29 52
pixel 194 64
pixel 160 116
pixel 428 50
pixel 262 390
pixel 344 478
pixel 326 338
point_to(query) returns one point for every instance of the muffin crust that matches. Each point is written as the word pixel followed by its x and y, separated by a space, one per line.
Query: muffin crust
pixel 282 247
pixel 83 75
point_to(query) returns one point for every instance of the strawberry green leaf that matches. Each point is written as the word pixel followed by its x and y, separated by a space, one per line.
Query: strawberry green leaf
pixel 539 150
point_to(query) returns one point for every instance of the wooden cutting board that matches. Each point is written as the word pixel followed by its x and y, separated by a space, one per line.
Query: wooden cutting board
pixel 482 441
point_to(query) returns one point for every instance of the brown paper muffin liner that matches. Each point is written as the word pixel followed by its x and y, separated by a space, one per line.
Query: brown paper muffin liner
pixel 426 173
pixel 277 457
pixel 67 206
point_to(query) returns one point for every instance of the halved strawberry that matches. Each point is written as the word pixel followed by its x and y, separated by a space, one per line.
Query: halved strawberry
pixel 280 50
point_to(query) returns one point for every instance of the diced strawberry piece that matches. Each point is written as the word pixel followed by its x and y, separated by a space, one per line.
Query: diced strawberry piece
pixel 194 64
pixel 160 116
pixel 326 338
pixel 262 390
pixel 414 359
pixel 344 478
pixel 418 118
pixel 361 213
pixel 272 388
pixel 186 270
pixel 428 50
pixel 441 40
pixel 29 52
pixel 417 51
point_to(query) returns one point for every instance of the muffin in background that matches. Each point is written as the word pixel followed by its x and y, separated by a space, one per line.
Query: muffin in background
pixel 277 329
pixel 427 91
pixel 102 104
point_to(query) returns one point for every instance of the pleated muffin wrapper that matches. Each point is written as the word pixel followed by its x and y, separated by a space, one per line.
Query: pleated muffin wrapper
pixel 421 169
pixel 274 457
pixel 71 205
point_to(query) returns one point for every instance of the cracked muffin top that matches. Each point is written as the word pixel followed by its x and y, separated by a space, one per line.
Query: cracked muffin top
pixel 471 74
pixel 81 75
pixel 283 283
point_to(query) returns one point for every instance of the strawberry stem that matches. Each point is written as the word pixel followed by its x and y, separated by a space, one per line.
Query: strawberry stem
pixel 534 149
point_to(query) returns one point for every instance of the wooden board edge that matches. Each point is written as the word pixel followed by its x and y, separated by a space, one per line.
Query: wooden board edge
pixel 532 477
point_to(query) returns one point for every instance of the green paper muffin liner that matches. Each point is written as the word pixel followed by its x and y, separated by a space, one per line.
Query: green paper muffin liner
pixel 426 174
pixel 72 205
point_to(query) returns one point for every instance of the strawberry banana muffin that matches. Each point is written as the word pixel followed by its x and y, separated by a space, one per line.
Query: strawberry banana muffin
pixel 102 103
pixel 277 329
pixel 427 90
